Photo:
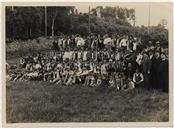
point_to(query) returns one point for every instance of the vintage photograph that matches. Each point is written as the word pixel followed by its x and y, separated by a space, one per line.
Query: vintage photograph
pixel 87 62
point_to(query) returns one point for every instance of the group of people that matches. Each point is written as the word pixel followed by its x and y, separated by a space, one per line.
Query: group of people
pixel 117 62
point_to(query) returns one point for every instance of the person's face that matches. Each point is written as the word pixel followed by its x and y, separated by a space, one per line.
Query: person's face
pixel 157 54
pixel 137 71
pixel 129 65
pixel 158 45
pixel 144 54
pixel 150 53
pixel 163 57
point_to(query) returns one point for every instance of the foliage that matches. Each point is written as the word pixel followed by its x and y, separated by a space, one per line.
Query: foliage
pixel 28 22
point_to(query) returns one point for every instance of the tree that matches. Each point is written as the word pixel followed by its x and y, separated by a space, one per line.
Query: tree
pixel 163 22
pixel 57 14
pixel 23 22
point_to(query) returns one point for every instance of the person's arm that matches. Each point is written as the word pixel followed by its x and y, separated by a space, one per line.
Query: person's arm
pixel 149 66
pixel 132 85
pixel 142 77
pixel 134 78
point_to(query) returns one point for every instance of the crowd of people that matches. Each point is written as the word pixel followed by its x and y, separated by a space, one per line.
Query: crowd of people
pixel 120 62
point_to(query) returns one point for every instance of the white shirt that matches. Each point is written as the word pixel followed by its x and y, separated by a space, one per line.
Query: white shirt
pixel 135 46
pixel 80 42
pixel 117 57
pixel 60 42
pixel 71 54
pixel 151 56
pixel 103 68
pixel 37 66
pixel 66 55
pixel 84 55
pixel 79 55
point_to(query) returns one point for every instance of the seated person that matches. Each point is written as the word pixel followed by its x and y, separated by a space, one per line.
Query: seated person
pixel 118 81
pixel 22 63
pixel 70 78
pixel 99 81
pixel 111 82
pixel 56 76
pixel 92 81
pixel 130 84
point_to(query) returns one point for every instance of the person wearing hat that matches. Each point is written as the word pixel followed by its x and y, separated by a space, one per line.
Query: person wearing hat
pixel 146 65
pixel 155 70
pixel 158 47
pixel 164 73
pixel 152 59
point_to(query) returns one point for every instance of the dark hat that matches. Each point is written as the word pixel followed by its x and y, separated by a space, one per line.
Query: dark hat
pixel 163 53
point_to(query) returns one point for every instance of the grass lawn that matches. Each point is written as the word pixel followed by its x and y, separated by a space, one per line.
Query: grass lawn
pixel 35 101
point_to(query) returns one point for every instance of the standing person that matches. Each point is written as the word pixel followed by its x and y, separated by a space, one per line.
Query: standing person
pixel 85 55
pixel 139 60
pixel 134 48
pixel 155 70
pixel 138 78
pixel 103 68
pixel 152 58
pixel 164 73
pixel 146 69
pixel 124 43
pixel 158 47
pixel 73 43
pixel 100 43
pixel 129 71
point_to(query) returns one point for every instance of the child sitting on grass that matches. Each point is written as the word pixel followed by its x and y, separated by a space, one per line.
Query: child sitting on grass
pixel 92 81
pixel 99 81
pixel 119 81
pixel 130 84
pixel 111 82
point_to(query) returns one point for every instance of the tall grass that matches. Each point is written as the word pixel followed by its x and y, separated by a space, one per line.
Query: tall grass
pixel 19 48
pixel 44 102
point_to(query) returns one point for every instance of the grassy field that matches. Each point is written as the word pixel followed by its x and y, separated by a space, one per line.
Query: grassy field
pixel 36 101
pixel 44 102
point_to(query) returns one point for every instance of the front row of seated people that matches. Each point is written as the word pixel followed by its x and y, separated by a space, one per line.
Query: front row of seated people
pixel 68 72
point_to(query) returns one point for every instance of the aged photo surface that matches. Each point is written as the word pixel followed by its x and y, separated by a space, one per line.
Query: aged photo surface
pixel 87 62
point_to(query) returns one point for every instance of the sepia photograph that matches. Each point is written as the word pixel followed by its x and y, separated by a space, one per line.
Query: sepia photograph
pixel 87 62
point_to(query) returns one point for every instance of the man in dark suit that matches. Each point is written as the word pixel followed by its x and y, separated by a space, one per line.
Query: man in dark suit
pixel 155 62
pixel 146 69
pixel 164 73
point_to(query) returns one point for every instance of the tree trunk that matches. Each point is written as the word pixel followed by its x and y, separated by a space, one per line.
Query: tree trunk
pixel 30 32
pixel 27 33
pixel 52 28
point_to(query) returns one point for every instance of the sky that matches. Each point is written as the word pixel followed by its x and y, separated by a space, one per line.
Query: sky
pixel 158 11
